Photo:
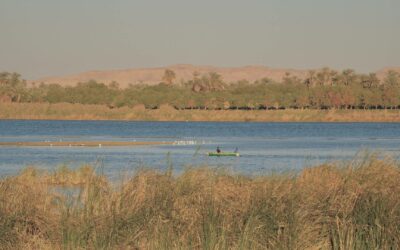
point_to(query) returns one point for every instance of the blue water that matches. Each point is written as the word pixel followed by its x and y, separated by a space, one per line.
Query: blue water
pixel 264 147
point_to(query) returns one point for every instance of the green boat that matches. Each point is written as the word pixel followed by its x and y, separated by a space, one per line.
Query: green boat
pixel 223 154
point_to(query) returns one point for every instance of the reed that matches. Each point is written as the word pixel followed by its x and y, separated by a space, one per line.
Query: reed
pixel 353 205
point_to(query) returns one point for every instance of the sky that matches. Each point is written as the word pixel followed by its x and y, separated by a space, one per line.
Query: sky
pixel 56 37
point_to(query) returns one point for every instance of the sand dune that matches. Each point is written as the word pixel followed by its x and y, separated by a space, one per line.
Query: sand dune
pixel 183 72
pixel 382 73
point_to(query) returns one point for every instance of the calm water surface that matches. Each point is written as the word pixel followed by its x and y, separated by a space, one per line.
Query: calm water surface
pixel 264 147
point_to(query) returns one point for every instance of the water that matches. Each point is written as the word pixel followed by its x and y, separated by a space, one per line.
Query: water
pixel 264 147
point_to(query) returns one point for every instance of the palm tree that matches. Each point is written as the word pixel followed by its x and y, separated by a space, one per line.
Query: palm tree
pixel 4 77
pixel 169 76
pixel 392 78
pixel 374 80
pixel 348 76
pixel 324 76
pixel 333 75
pixel 215 81
pixel 310 80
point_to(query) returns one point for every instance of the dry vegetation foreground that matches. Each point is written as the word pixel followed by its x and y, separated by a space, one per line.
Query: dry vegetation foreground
pixel 67 111
pixel 344 206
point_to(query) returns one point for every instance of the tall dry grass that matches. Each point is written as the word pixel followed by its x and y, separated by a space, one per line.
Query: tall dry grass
pixel 352 206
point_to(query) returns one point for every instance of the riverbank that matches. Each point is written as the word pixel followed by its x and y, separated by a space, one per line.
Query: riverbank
pixel 67 111
pixel 334 206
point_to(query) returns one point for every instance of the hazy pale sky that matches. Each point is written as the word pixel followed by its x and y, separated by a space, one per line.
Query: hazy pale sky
pixel 57 37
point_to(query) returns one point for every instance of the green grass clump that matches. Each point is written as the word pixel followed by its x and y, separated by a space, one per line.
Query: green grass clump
pixel 353 206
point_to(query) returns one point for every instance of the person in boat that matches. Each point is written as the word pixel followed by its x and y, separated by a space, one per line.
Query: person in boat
pixel 218 150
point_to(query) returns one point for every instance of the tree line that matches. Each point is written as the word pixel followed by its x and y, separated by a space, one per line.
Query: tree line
pixel 321 89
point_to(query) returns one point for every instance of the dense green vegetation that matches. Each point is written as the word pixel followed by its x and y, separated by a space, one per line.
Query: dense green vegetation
pixel 350 206
pixel 323 89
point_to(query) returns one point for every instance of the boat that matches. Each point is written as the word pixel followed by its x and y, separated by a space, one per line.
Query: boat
pixel 223 154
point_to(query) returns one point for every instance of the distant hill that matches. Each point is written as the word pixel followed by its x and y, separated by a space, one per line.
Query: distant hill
pixel 184 72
